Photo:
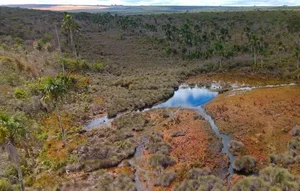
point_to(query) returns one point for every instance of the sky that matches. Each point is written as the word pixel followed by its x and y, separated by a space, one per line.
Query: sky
pixel 160 2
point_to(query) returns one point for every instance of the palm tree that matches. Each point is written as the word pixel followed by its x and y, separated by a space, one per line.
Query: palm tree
pixel 12 130
pixel 255 44
pixel 55 89
pixel 70 26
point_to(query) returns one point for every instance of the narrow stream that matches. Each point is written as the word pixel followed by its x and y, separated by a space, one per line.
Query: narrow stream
pixel 185 97
pixel 225 139
pixel 138 152
pixel 196 98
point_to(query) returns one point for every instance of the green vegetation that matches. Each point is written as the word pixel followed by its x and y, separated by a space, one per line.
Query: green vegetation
pixel 269 179
pixel 12 131
pixel 246 164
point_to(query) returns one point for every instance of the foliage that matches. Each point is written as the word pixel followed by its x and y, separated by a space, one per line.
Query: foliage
pixel 245 164
pixel 98 66
pixel 166 179
pixel 5 185
pixel 12 128
pixel 161 160
pixel 205 183
pixel 56 87
pixel 20 93
pixel 73 65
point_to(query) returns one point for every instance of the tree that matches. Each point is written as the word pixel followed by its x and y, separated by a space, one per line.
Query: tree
pixel 255 44
pixel 70 26
pixel 220 50
pixel 55 89
pixel 296 55
pixel 280 49
pixel 12 130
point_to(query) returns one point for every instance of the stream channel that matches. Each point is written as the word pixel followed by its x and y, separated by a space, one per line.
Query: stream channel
pixel 185 97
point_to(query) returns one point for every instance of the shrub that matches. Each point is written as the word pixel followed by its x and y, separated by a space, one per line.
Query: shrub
pixel 156 145
pixel 245 164
pixel 134 121
pixel 98 66
pixel 251 183
pixel 5 185
pixel 195 173
pixel 296 131
pixel 161 160
pixel 159 148
pixel 281 178
pixel 204 183
pixel 236 146
pixel 75 64
pixel 294 145
pixel 10 170
pixel 122 182
pixel 166 179
pixel 20 93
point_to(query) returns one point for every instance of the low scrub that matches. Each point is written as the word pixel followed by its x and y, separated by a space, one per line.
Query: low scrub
pixel 195 173
pixel 270 178
pixel 156 145
pixel 296 131
pixel 161 160
pixel 245 164
pixel 135 121
pixel 203 183
pixel 294 145
pixel 166 179
pixel 5 185
pixel 236 147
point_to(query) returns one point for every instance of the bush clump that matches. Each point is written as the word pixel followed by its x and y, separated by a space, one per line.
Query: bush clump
pixel 294 145
pixel 195 173
pixel 280 178
pixel 74 64
pixel 203 183
pixel 5 185
pixel 97 66
pixel 134 121
pixel 156 145
pixel 285 159
pixel 236 146
pixel 296 131
pixel 245 164
pixel 161 160
pixel 250 184
pixel 20 93
pixel 166 179
pixel 270 178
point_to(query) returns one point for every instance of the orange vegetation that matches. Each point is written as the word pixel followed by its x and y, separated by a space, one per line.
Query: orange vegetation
pixel 199 147
pixel 261 119
pixel 55 149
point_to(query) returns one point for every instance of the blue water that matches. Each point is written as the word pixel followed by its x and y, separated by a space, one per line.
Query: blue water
pixel 187 97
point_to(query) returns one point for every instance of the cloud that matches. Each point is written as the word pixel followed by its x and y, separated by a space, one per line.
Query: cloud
pixel 162 2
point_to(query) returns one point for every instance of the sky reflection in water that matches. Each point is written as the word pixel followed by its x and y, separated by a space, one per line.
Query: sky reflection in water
pixel 189 97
